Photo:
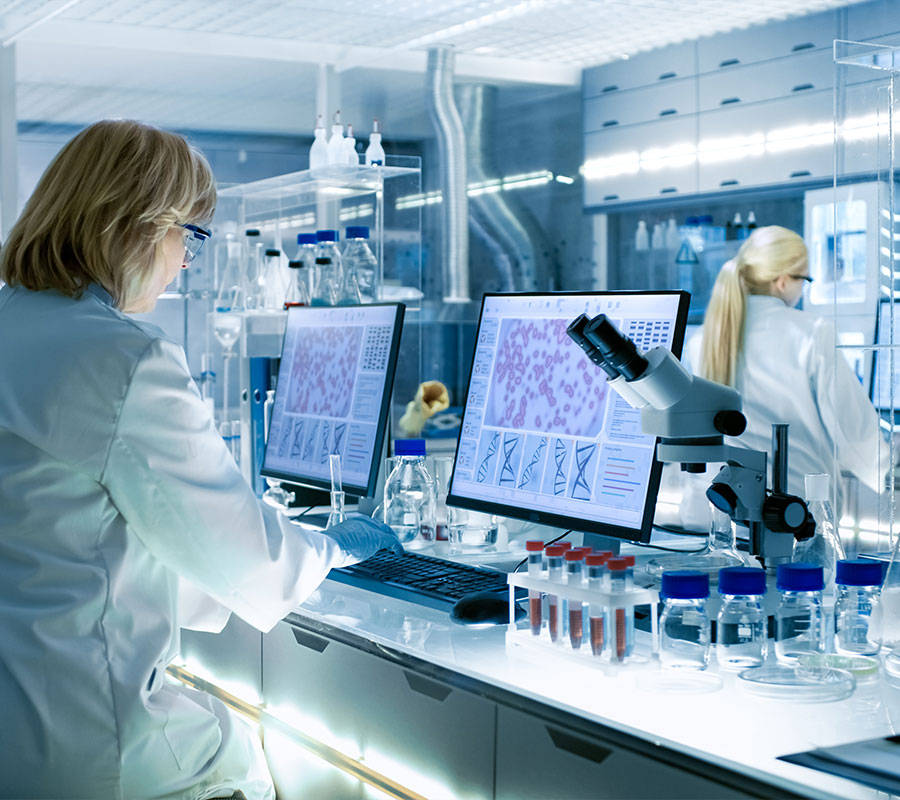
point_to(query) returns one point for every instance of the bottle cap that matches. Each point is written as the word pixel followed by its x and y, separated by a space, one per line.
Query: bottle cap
pixel 251 232
pixel 607 554
pixel 685 584
pixel 565 545
pixel 629 560
pixel 273 252
pixel 616 564
pixel 817 486
pixel 742 580
pixel 574 555
pixel 800 577
pixel 326 236
pixel 306 238
pixel 584 549
pixel 595 559
pixel 357 232
pixel 534 546
pixel 858 572
pixel 409 447
pixel 555 551
pixel 295 264
pixel 323 260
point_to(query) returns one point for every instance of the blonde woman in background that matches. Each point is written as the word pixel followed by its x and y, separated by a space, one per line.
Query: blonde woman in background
pixel 784 363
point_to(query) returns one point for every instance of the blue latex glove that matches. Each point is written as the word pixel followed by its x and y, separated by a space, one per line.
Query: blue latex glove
pixel 362 537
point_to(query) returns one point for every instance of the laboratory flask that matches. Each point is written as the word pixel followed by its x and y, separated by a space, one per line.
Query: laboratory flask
pixel 824 547
pixel 409 495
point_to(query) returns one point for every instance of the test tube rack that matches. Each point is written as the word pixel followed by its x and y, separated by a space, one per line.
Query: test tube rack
pixel 519 633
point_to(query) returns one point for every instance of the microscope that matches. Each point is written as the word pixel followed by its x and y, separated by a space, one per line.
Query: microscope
pixel 691 416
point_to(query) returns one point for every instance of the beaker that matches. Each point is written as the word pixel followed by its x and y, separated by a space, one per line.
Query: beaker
pixel 337 492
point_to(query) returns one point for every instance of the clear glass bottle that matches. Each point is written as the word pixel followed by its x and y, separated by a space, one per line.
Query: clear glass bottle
pixel 622 619
pixel 857 605
pixel 359 260
pixel 741 625
pixel 306 252
pixel 535 549
pixel 799 617
pixel 409 495
pixel 575 608
pixel 555 553
pixel 684 628
pixel 824 548
pixel 595 564
pixel 273 284
pixel 298 287
pixel 330 271
pixel 230 291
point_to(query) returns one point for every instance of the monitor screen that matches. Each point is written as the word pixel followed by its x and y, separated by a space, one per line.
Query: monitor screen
pixel 885 380
pixel 333 394
pixel 543 437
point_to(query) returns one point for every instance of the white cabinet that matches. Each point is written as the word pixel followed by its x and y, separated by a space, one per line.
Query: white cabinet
pixel 233 658
pixel 666 99
pixel 867 20
pixel 644 69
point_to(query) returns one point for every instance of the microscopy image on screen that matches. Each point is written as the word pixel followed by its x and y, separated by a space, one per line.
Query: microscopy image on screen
pixel 324 371
pixel 542 381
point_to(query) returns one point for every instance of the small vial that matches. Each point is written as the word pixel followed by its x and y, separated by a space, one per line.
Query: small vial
pixel 684 624
pixel 595 564
pixel 858 596
pixel 623 625
pixel 555 554
pixel 535 549
pixel 741 624
pixel 574 577
pixel 799 618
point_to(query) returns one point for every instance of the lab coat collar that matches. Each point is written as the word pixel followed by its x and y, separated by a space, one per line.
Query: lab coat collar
pixel 101 294
pixel 767 302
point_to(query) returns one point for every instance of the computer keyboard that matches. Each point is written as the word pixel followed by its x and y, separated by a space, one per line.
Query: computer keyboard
pixel 421 579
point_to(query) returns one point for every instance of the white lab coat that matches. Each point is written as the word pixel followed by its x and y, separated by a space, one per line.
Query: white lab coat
pixel 123 517
pixel 789 371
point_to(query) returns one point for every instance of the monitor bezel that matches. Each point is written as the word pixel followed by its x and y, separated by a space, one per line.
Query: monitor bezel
pixel 355 490
pixel 876 357
pixel 641 534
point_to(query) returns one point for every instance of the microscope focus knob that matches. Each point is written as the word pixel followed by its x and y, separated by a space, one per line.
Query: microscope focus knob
pixel 730 422
pixel 784 513
pixel 723 497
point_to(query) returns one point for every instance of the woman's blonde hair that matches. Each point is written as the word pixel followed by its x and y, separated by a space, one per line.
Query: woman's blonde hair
pixel 765 256
pixel 102 209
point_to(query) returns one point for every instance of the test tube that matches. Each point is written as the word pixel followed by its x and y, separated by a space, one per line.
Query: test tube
pixel 596 571
pixel 535 549
pixel 574 559
pixel 554 554
pixel 620 582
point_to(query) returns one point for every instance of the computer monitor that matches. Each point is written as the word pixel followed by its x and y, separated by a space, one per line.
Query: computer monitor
pixel 543 437
pixel 885 381
pixel 333 394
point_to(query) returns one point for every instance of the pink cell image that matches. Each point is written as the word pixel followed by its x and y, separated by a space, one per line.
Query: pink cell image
pixel 538 355
pixel 324 371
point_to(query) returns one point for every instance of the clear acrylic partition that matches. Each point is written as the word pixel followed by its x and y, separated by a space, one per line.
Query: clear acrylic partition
pixel 859 267
pixel 332 197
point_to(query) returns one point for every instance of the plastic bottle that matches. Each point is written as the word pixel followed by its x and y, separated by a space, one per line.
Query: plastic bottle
pixel 574 577
pixel 360 261
pixel 641 237
pixel 673 239
pixel 306 252
pixel 318 153
pixel 330 271
pixel 253 298
pixel 858 604
pixel 799 618
pixel 336 152
pixel 741 635
pixel 555 553
pixel 824 548
pixel 751 221
pixel 623 622
pixel 535 549
pixel 684 625
pixel 740 232
pixel 596 580
pixel 298 287
pixel 274 286
pixel 375 152
pixel 658 239
pixel 350 148
pixel 409 495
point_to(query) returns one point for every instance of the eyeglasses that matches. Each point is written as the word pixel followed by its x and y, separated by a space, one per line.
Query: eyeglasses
pixel 806 278
pixel 194 237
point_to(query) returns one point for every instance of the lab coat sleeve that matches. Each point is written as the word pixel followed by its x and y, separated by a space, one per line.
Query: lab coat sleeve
pixel 845 411
pixel 172 478
pixel 197 611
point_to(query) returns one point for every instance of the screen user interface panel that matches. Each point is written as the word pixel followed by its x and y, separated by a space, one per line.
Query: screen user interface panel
pixel 886 371
pixel 333 393
pixel 543 435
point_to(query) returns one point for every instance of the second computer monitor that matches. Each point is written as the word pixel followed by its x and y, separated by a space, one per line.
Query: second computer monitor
pixel 543 437
pixel 333 394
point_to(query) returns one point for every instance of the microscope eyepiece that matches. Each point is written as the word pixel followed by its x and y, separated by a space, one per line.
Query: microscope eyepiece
pixel 576 334
pixel 617 350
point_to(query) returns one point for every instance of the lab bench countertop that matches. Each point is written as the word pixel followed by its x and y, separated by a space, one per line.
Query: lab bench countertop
pixel 712 720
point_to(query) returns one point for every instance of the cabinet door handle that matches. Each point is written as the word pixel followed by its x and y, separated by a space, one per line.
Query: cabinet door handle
pixel 668 190
pixel 432 689
pixel 729 100
pixel 731 182
pixel 611 88
pixel 579 747
pixel 305 639
pixel 666 75
pixel 729 62
pixel 801 173
pixel 609 123
pixel 802 87
pixel 666 112
pixel 803 46
pixel 608 197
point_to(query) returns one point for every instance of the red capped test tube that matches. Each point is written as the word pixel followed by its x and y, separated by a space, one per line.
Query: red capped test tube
pixel 620 581
pixel 554 553
pixel 535 549
pixel 574 577
pixel 595 564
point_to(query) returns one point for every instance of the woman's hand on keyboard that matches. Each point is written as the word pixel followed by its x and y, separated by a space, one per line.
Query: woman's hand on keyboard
pixel 362 537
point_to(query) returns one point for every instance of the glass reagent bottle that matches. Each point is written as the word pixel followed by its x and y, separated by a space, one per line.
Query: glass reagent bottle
pixel 799 617
pixel 857 608
pixel 684 625
pixel 741 635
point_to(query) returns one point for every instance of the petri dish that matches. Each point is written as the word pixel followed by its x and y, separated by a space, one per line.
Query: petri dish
pixel 860 667
pixel 808 684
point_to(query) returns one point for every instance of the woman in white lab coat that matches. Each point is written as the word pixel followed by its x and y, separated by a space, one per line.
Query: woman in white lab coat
pixel 784 363
pixel 122 515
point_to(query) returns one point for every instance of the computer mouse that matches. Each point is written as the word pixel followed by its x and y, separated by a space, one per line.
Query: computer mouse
pixel 484 608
